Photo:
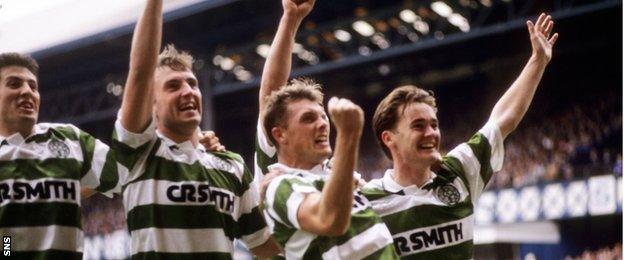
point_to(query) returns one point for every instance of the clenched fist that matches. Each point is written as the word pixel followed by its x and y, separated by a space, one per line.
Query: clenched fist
pixel 347 117
pixel 297 8
pixel 210 141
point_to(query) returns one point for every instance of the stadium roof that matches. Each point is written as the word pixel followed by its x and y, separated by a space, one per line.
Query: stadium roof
pixel 33 25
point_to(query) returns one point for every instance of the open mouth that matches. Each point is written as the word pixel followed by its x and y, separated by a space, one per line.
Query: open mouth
pixel 26 105
pixel 188 106
pixel 427 146
pixel 321 140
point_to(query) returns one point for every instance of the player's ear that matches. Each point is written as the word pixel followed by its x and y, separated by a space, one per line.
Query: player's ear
pixel 279 135
pixel 387 137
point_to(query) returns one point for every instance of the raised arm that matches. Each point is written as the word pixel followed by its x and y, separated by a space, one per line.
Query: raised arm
pixel 512 106
pixel 136 107
pixel 329 213
pixel 279 61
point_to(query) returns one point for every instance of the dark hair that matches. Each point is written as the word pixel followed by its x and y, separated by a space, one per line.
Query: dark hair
pixel 21 60
pixel 387 112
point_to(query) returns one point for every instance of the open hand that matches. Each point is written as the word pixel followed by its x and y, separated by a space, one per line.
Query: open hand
pixel 541 41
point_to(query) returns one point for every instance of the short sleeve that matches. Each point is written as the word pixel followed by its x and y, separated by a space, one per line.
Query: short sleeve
pixel 100 167
pixel 284 196
pixel 478 158
pixel 265 153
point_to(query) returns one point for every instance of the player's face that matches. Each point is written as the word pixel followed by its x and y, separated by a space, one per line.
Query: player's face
pixel 307 134
pixel 417 136
pixel 178 101
pixel 19 97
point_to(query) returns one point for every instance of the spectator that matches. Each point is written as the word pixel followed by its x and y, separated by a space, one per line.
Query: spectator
pixel 605 253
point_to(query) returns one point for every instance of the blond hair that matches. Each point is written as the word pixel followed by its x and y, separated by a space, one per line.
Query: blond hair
pixel 174 59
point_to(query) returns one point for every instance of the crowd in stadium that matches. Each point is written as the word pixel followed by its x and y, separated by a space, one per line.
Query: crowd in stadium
pixel 605 253
pixel 575 143
pixel 101 215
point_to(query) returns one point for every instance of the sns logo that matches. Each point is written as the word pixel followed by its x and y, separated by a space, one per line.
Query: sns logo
pixel 6 245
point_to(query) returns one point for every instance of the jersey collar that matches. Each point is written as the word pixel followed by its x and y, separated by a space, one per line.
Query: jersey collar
pixel 185 146
pixel 323 170
pixel 17 139
pixel 318 170
pixel 389 184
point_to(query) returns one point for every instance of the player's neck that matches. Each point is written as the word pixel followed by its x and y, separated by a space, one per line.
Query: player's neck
pixel 24 130
pixel 179 137
pixel 294 161
pixel 407 174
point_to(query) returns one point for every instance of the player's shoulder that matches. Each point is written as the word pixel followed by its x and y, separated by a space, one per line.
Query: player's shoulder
pixel 374 184
pixel 47 125
pixel 228 163
pixel 283 186
pixel 374 190
pixel 59 129
pixel 290 179
pixel 227 155
pixel 451 166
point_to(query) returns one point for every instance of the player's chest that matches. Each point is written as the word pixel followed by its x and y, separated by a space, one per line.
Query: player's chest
pixel 360 202
pixel 53 158
pixel 46 171
pixel 41 150
pixel 438 193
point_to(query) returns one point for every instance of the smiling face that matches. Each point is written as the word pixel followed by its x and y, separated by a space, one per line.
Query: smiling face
pixel 306 135
pixel 177 101
pixel 19 100
pixel 416 136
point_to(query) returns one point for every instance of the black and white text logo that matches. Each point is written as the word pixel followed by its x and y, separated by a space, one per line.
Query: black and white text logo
pixel 38 190
pixel 6 246
pixel 224 200
pixel 429 238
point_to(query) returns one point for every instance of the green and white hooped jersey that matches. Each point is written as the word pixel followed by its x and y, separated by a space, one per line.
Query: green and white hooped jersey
pixel 367 236
pixel 40 181
pixel 436 221
pixel 184 202
pixel 288 235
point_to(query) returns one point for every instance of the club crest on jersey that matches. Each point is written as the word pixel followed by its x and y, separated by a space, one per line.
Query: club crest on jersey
pixel 448 194
pixel 58 148
pixel 221 164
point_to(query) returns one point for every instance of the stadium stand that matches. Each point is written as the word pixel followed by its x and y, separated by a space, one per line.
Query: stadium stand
pixel 605 253
pixel 574 144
